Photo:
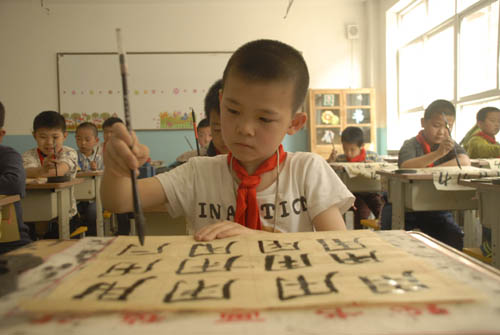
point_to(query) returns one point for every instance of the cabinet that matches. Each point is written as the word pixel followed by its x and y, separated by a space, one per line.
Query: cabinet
pixel 331 110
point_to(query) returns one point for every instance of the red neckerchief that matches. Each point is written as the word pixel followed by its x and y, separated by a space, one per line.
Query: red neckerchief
pixel 41 156
pixel 359 158
pixel 247 209
pixel 486 137
pixel 423 142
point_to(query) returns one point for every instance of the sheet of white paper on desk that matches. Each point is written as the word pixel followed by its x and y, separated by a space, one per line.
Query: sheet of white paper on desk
pixel 446 178
pixel 367 170
pixel 255 271
pixel 493 163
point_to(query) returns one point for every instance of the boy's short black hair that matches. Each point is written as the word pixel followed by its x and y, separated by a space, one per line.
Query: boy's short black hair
pixel 111 121
pixel 203 124
pixel 352 135
pixel 439 106
pixel 212 99
pixel 2 115
pixel 50 120
pixel 88 125
pixel 483 113
pixel 268 60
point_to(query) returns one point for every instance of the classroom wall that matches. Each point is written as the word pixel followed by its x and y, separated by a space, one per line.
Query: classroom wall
pixel 31 35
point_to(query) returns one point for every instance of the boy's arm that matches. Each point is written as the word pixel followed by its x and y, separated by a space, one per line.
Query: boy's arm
pixel 48 169
pixel 462 158
pixel 427 159
pixel 479 147
pixel 329 219
pixel 12 175
pixel 116 186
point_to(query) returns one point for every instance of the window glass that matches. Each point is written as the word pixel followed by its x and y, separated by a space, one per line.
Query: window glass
pixel 410 76
pixel 440 10
pixel 439 65
pixel 478 51
pixel 413 22
pixel 463 4
pixel 466 116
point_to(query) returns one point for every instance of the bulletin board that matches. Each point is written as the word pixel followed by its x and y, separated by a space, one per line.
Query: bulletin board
pixel 163 87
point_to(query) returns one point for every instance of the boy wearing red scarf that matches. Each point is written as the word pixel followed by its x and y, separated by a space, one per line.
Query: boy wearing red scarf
pixel 354 152
pixel 433 147
pixel 257 186
pixel 483 144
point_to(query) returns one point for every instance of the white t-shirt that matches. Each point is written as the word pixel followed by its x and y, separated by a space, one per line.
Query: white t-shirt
pixel 204 191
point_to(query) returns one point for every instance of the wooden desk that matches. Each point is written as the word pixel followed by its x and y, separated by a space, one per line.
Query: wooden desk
pixel 46 201
pixel 434 318
pixel 90 189
pixel 416 192
pixel 358 184
pixel 9 232
pixel 489 201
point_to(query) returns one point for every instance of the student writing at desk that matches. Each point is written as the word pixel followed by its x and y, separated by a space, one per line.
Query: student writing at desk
pixel 89 159
pixel 432 147
pixel 12 182
pixel 257 186
pixel 353 144
pixel 482 144
pixel 51 158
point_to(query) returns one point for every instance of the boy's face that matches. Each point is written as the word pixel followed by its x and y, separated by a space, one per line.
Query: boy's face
pixel 435 128
pixel 255 116
pixel 491 123
pixel 216 132
pixel 351 150
pixel 204 136
pixel 106 133
pixel 46 138
pixel 86 140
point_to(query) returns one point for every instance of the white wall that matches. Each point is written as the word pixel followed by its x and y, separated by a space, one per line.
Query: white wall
pixel 30 36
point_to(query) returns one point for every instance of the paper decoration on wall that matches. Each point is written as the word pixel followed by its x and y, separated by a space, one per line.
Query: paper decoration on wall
pixel 366 170
pixel 257 271
pixel 329 117
pixel 328 136
pixel 175 120
pixel 73 120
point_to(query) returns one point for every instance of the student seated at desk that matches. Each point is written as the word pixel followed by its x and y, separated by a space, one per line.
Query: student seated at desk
pixel 204 138
pixel 353 144
pixel 89 159
pixel 432 147
pixel 51 157
pixel 482 143
pixel 12 182
pixel 212 114
pixel 257 186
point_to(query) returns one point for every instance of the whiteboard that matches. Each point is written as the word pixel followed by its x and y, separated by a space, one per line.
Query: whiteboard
pixel 162 87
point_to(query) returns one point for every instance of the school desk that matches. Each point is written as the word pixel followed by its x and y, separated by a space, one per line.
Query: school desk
pixel 358 183
pixel 90 190
pixel 159 222
pixel 46 201
pixel 9 230
pixel 480 317
pixel 416 192
pixel 489 200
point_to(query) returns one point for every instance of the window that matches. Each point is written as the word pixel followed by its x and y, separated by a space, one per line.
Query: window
pixel 442 49
pixel 478 50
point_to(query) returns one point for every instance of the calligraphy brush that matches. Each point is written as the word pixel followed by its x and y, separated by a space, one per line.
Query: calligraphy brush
pixel 55 163
pixel 139 216
pixel 195 131
pixel 454 146
pixel 189 143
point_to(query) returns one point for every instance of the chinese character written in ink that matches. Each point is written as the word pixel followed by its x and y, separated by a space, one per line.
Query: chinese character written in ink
pixel 301 287
pixel 199 290
pixel 355 259
pixel 193 266
pixel 444 178
pixel 137 250
pixel 393 284
pixel 124 268
pixel 110 291
pixel 336 244
pixel 269 246
pixel 286 262
pixel 204 249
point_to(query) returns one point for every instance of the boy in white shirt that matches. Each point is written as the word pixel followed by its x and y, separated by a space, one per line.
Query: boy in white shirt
pixel 264 84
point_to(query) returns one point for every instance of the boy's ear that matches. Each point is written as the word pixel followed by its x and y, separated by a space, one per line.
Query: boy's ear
pixel 298 121
pixel 65 134
pixel 422 122
pixel 220 96
pixel 2 134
